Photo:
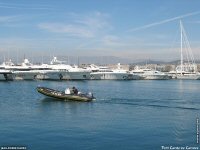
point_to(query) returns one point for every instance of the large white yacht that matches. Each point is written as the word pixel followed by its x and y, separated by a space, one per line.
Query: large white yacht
pixel 61 71
pixel 149 74
pixel 24 71
pixel 19 72
pixel 105 73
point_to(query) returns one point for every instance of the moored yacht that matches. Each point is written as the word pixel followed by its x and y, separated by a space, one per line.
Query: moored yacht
pixel 28 71
pixel 155 75
pixel 105 73
pixel 149 74
pixel 186 70
pixel 24 71
pixel 61 71
pixel 76 73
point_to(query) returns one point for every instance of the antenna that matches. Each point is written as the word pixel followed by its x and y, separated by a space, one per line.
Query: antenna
pixel 78 61
pixel 42 58
pixel 17 56
pixel 8 54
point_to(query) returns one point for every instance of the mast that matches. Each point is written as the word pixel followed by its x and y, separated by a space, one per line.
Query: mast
pixel 181 28
pixel 42 59
pixel 17 56
pixel 78 61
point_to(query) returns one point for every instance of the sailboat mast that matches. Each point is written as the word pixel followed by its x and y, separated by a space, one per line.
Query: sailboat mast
pixel 181 28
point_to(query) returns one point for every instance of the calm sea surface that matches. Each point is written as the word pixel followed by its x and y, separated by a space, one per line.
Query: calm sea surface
pixel 135 115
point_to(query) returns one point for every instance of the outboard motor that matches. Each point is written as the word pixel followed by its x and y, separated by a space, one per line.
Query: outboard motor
pixel 89 94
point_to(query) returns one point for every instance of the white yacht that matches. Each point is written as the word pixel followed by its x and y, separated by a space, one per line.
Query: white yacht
pixel 149 74
pixel 76 73
pixel 31 71
pixel 105 73
pixel 61 71
pixel 186 72
pixel 24 71
pixel 155 75
pixel 188 69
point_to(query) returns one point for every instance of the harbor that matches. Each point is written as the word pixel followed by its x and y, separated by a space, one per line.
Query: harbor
pixel 58 70
pixel 99 75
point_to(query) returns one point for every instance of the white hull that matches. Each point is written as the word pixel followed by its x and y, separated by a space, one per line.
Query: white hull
pixel 136 77
pixel 25 75
pixel 156 77
pixel 5 75
pixel 2 77
pixel 50 75
pixel 109 76
pixel 63 75
pixel 76 76
pixel 188 77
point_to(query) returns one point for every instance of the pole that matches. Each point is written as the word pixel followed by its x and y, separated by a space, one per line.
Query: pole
pixel 181 47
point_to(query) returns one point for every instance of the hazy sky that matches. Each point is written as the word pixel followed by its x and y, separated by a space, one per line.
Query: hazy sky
pixel 147 29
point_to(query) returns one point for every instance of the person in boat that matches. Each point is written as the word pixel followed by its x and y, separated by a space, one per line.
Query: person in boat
pixel 75 91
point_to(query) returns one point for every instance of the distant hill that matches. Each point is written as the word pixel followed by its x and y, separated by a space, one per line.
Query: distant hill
pixel 95 60
pixel 102 60
pixel 174 62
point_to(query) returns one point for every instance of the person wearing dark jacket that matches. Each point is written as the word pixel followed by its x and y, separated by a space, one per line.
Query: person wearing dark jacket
pixel 75 90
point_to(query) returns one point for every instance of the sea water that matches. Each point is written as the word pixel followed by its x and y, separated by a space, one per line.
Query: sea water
pixel 128 115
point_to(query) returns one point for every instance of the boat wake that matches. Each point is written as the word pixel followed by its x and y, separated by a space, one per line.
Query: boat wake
pixel 172 103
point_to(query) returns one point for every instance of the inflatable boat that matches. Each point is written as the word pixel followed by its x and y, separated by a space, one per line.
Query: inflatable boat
pixel 60 95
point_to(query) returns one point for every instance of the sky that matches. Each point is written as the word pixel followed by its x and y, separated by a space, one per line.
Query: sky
pixel 129 29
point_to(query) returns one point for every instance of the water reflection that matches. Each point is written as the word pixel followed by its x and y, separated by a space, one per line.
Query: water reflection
pixel 64 106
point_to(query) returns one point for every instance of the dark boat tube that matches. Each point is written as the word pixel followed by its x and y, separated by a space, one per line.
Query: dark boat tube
pixel 62 96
